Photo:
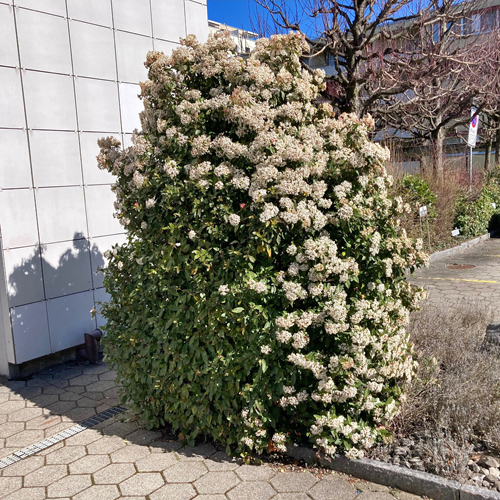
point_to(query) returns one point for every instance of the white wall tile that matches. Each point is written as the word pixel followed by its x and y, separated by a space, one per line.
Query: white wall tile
pixel 100 297
pixel 100 210
pixel 92 174
pixel 61 214
pixel 165 47
pixel 197 20
pixel 131 106
pixel 97 103
pixel 15 169
pixel 23 271
pixel 131 52
pixel 30 331
pixel 133 16
pixel 127 140
pixel 43 42
pixel 99 247
pixel 70 319
pixel 91 11
pixel 57 7
pixel 168 19
pixel 18 218
pixel 8 47
pixel 11 99
pixel 66 268
pixel 55 158
pixel 49 101
pixel 93 50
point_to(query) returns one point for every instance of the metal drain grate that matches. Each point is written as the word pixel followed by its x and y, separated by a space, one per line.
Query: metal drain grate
pixel 61 436
pixel 457 267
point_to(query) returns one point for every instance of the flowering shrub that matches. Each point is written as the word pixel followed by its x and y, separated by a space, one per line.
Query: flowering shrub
pixel 261 298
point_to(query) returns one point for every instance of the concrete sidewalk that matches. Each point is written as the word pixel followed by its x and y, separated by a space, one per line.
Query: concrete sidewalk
pixel 116 459
pixel 481 282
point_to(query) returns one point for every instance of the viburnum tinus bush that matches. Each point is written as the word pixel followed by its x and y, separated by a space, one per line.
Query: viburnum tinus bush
pixel 261 297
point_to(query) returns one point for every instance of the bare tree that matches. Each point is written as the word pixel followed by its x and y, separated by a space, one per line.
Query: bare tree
pixel 450 78
pixel 411 65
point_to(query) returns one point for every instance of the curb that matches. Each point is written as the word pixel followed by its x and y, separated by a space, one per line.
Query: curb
pixel 460 248
pixel 412 481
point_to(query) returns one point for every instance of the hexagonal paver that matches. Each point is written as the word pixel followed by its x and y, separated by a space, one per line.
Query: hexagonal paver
pixel 89 464
pixel 221 462
pixel 25 414
pixel 252 490
pixel 196 453
pixel 216 482
pixel 61 407
pixel 24 467
pixel 79 414
pixel 69 396
pixel 114 474
pixel 255 472
pixel 43 422
pixel 130 453
pixel 69 486
pixel 105 445
pixel 291 496
pixel 333 488
pixel 102 492
pixel 175 492
pixel 84 438
pixel 142 436
pixel 121 429
pixel 11 406
pixel 24 438
pixel 10 484
pixel 97 369
pixel 28 494
pixel 293 482
pixel 163 445
pixel 87 402
pixel 84 380
pixel 185 472
pixel 375 495
pixel 45 399
pixel 45 475
pixel 142 483
pixel 368 486
pixel 10 428
pixel 156 462
pixel 214 497
pixel 109 375
pixel 66 455
pixel 101 386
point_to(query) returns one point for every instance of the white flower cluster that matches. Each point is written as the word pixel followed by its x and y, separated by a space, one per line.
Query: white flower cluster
pixel 320 182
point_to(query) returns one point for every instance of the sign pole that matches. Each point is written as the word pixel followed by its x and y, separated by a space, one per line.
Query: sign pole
pixel 471 140
pixel 470 167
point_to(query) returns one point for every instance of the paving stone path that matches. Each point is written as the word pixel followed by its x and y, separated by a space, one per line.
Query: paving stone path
pixel 116 459
pixel 481 283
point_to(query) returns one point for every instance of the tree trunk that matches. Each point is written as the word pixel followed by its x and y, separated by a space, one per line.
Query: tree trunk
pixel 487 155
pixel 497 145
pixel 438 152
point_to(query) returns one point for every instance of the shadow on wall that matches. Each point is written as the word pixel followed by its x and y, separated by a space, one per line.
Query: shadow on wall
pixel 64 275
pixel 59 275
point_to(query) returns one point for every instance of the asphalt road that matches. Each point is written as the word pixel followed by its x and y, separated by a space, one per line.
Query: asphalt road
pixel 451 280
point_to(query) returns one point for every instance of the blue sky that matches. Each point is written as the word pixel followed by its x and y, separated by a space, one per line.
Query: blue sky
pixel 231 12
pixel 238 13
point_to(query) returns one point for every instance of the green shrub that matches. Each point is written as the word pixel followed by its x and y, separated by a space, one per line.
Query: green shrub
pixel 261 298
pixel 478 216
pixel 417 191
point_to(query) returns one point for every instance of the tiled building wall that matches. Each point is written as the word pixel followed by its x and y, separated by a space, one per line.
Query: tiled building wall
pixel 69 73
